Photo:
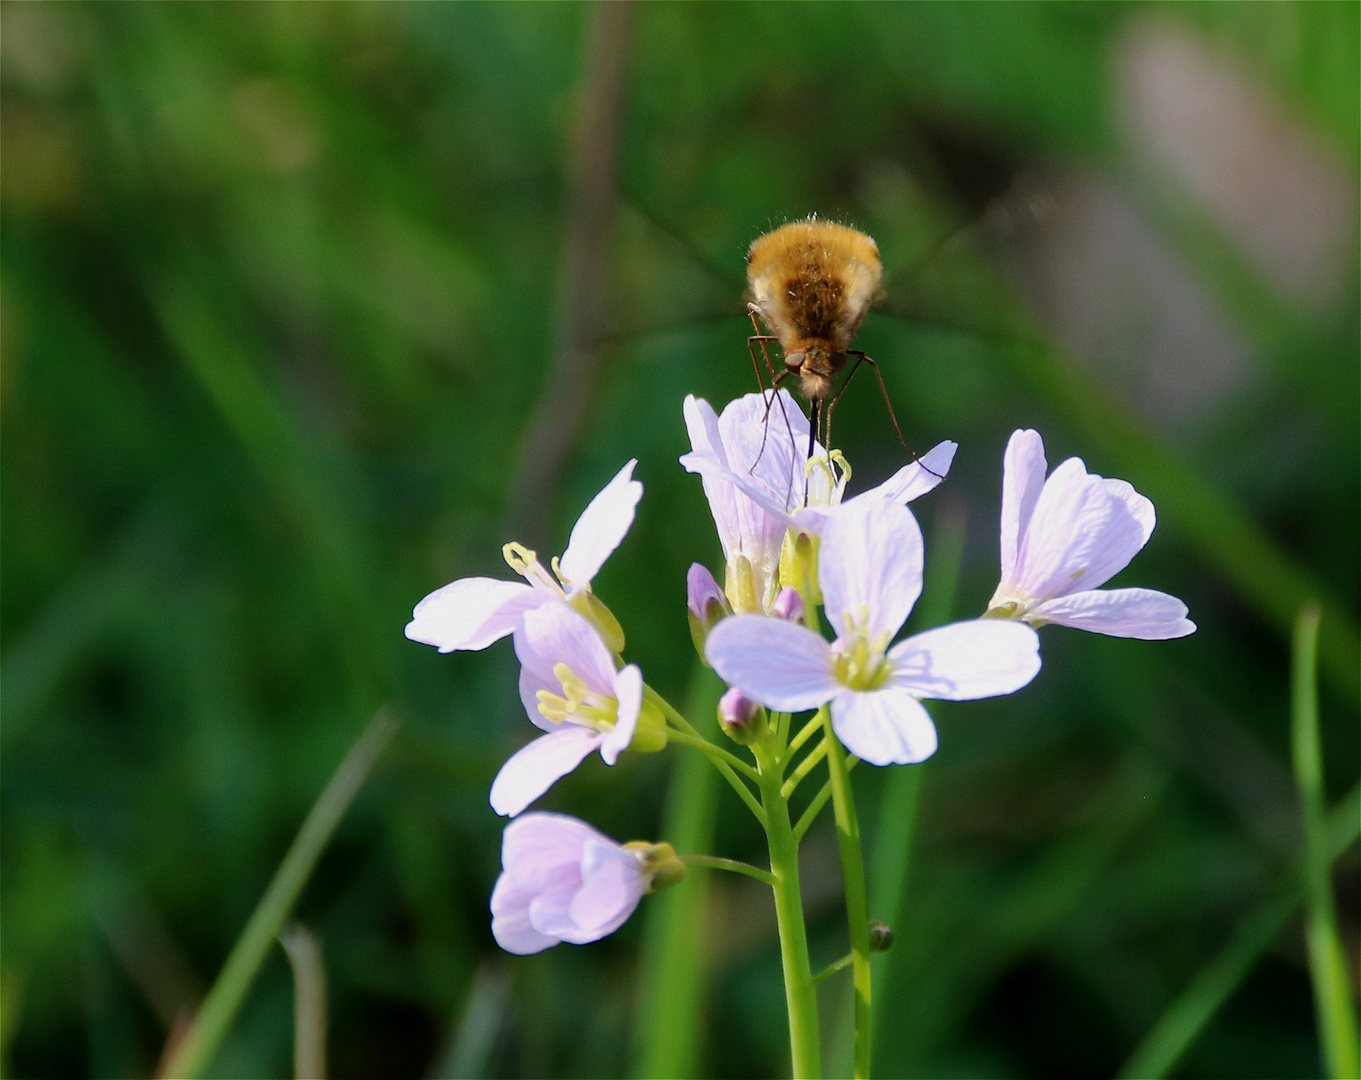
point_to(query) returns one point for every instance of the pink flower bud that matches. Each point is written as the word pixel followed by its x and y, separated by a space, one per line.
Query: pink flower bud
pixel 706 603
pixel 742 719
pixel 788 605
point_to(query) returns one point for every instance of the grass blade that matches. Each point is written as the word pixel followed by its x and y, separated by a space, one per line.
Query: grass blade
pixel 1327 965
pixel 201 1041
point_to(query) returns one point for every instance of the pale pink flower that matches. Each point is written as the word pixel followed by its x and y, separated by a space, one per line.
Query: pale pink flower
pixel 870 567
pixel 570 689
pixel 1064 537
pixel 471 613
pixel 562 881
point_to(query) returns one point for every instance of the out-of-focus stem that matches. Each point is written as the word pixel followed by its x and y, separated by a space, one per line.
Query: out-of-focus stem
pixel 1327 964
pixel 205 1033
pixel 309 1001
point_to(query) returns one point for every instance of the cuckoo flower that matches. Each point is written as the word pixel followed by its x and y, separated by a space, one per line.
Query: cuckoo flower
pixel 870 565
pixel 1064 537
pixel 471 613
pixel 762 453
pixel 571 690
pixel 563 881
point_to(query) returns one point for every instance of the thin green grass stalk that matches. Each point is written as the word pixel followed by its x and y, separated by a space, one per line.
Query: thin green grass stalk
pixel 857 905
pixel 1327 964
pixel 800 996
pixel 1183 1021
pixel 205 1033
pixel 672 977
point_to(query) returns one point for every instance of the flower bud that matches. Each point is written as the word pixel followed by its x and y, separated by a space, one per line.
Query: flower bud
pixel 739 585
pixel 586 604
pixel 881 937
pixel 650 734
pixel 799 565
pixel 706 605
pixel 662 867
pixel 788 605
pixel 742 719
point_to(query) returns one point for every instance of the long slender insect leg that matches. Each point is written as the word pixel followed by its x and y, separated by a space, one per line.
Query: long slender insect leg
pixel 883 390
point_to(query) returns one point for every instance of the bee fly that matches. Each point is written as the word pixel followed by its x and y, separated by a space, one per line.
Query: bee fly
pixel 812 283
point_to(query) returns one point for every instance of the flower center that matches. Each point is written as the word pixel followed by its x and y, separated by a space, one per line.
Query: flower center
pixel 859 658
pixel 1009 604
pixel 578 702
pixel 827 475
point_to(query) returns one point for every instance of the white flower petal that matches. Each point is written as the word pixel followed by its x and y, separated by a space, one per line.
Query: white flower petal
pixel 510 924
pixel 555 634
pixel 1023 469
pixel 915 480
pixel 884 727
pixel 611 886
pixel 870 567
pixel 782 665
pixel 471 613
pixel 601 527
pixel 628 691
pixel 967 660
pixel 1129 613
pixel 1067 531
pixel 533 769
pixel 1140 507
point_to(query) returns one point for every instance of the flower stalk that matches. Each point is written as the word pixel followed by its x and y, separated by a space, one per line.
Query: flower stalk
pixel 800 996
pixel 853 881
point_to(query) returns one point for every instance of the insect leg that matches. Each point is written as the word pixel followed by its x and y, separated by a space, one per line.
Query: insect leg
pixel 887 403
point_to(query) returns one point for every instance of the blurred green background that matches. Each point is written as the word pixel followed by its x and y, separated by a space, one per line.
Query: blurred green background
pixel 304 315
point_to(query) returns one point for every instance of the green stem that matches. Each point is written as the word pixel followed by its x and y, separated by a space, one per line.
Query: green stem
pixel 205 1033
pixel 807 818
pixel 807 732
pixel 853 879
pixel 716 753
pixel 718 863
pixel 1327 964
pixel 800 998
pixel 833 968
pixel 804 768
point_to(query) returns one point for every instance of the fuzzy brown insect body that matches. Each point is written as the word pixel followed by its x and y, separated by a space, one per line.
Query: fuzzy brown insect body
pixel 812 283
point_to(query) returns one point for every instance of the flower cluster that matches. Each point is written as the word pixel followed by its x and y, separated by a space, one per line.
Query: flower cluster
pixel 793 542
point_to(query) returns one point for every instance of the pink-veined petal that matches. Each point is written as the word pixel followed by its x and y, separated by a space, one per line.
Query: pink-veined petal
pixel 870 567
pixel 1125 533
pixel 471 613
pixel 601 527
pixel 915 480
pixel 884 727
pixel 1067 530
pixel 1129 613
pixel 782 665
pixel 628 691
pixel 611 886
pixel 510 924
pixel 531 682
pixel 534 768
pixel 555 634
pixel 967 660
pixel 536 846
pixel 1023 469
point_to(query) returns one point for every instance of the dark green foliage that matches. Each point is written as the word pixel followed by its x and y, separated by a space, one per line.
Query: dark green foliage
pixel 279 291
